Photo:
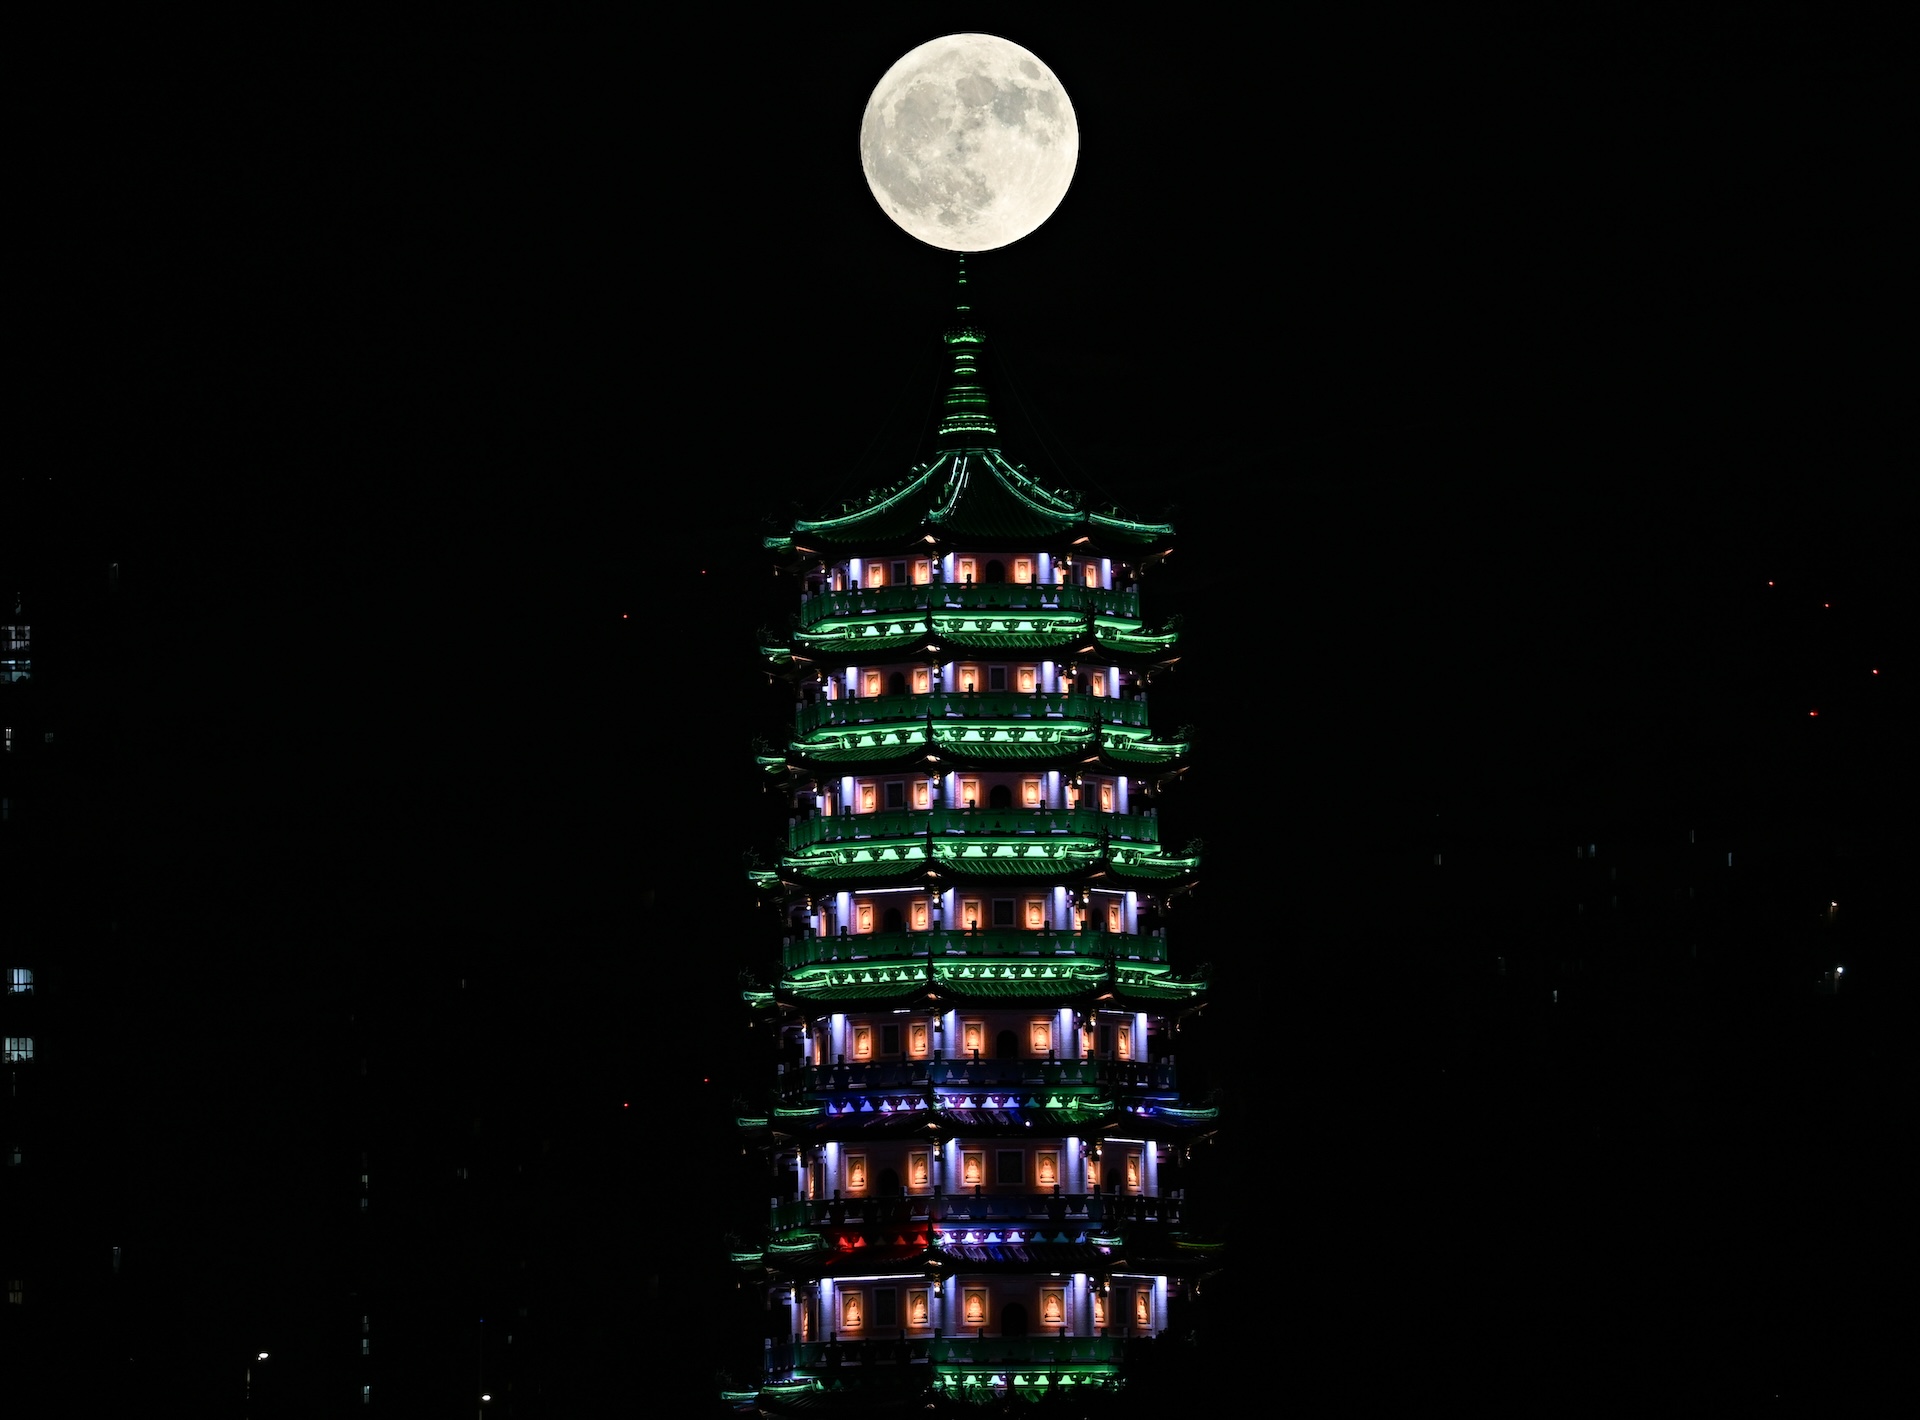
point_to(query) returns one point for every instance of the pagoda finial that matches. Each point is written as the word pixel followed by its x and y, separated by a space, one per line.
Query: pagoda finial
pixel 966 421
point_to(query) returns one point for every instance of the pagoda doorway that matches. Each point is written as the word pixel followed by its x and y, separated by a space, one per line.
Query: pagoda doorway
pixel 893 921
pixel 1006 1046
pixel 897 683
pixel 1000 797
pixel 996 572
pixel 1013 1320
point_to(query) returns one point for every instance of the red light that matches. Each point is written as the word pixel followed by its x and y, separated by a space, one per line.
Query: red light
pixel 623 616
pixel 1769 584
pixel 623 1104
pixel 1876 670
pixel 1813 712
pixel 1826 604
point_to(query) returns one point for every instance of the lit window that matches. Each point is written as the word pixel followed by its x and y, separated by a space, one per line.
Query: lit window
pixel 1133 1172
pixel 1053 1306
pixel 366 1395
pixel 1123 1042
pixel 20 980
pixel 922 681
pixel 1030 793
pixel 1099 1309
pixel 1040 1037
pixel 923 795
pixel 1093 1175
pixel 970 916
pixel 973 1168
pixel 1026 680
pixel 969 678
pixel 919 1170
pixel 919 909
pixel 1113 917
pixel 853 1309
pixel 1106 792
pixel 14 1156
pixel 1036 914
pixel 922 572
pixel 856 1173
pixel 16 1292
pixel 1046 1168
pixel 366 1346
pixel 876 575
pixel 1143 1306
pixel 863 1042
pixel 918 1311
pixel 1092 571
pixel 973 1036
pixel 870 683
pixel 974 1306
pixel 917 1038
pixel 366 1324
pixel 970 793
pixel 1099 683
pixel 1023 569
pixel 869 798
pixel 863 917
pixel 19 1048
pixel 965 565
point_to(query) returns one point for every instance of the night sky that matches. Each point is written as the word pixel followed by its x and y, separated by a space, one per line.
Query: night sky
pixel 1523 393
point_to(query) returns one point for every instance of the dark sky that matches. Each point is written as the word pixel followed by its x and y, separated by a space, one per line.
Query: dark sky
pixel 1491 368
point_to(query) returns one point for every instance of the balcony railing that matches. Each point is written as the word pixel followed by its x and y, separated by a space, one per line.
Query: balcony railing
pixel 943 1351
pixel 918 823
pixel 979 704
pixel 1094 1209
pixel 977 596
pixel 988 942
pixel 905 1074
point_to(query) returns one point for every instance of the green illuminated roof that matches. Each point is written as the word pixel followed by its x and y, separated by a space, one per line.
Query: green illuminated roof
pixel 969 491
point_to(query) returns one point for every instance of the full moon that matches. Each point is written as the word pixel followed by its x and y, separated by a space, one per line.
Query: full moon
pixel 969 142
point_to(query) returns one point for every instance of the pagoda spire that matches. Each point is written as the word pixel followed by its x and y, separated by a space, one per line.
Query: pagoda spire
pixel 965 421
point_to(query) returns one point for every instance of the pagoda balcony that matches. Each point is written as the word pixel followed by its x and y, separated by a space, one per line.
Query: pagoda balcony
pixel 1094 1209
pixel 997 943
pixel 919 823
pixel 976 1352
pixel 972 704
pixel 902 1074
pixel 976 596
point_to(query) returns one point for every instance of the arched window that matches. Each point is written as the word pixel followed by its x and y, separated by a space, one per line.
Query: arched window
pixel 1013 1320
pixel 1000 797
pixel 995 572
pixel 1006 1046
pixel 897 683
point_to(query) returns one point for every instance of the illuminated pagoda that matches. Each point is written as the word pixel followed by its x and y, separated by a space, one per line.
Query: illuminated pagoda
pixel 976 1135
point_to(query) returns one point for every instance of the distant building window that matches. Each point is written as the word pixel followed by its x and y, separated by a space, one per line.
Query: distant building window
pixel 366 1347
pixel 16 1292
pixel 19 1048
pixel 366 1323
pixel 20 980
pixel 366 1395
pixel 13 1156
